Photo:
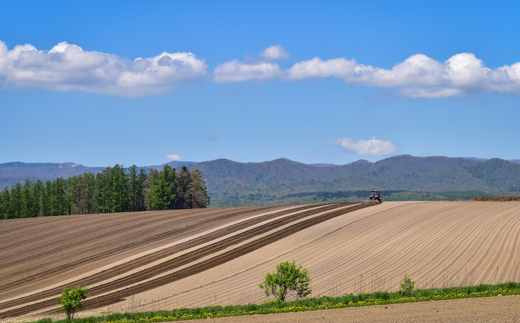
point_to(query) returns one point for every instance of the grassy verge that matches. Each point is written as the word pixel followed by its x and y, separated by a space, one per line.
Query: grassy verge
pixel 311 304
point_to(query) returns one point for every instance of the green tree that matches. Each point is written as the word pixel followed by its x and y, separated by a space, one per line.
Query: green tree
pixel 71 300
pixel 27 201
pixel 288 276
pixel 36 192
pixel 58 197
pixel 16 201
pixel 45 196
pixel 136 186
pixel 5 204
pixel 407 284
pixel 142 180
pixel 162 189
pixel 118 189
pixel 184 188
pixel 102 191
pixel 199 197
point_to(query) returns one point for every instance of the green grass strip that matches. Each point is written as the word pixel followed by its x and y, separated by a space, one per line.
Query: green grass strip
pixel 310 304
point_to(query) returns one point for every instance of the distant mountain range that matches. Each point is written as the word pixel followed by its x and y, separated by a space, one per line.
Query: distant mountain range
pixel 276 179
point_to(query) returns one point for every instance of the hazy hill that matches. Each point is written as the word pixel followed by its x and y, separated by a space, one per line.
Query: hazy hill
pixel 282 177
pixel 395 173
pixel 11 173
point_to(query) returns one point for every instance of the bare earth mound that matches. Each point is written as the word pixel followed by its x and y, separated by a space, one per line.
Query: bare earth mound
pixel 496 198
pixel 169 259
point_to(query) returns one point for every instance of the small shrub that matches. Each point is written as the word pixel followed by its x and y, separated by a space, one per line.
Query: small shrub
pixel 71 300
pixel 288 276
pixel 408 284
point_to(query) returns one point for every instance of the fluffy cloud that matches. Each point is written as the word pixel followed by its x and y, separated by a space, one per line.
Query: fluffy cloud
pixel 69 67
pixel 175 157
pixel 373 147
pixel 253 68
pixel 236 71
pixel 419 76
pixel 274 53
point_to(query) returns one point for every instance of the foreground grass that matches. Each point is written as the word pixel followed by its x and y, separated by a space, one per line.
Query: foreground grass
pixel 311 304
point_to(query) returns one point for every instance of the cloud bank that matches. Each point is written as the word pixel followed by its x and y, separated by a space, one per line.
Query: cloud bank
pixel 373 147
pixel 68 67
pixel 419 76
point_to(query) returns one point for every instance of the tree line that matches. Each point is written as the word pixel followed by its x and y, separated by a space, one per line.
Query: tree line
pixel 115 189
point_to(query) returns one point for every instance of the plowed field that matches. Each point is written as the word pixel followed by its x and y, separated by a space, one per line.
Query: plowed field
pixel 164 259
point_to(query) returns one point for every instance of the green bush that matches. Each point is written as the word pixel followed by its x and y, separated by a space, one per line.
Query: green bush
pixel 71 300
pixel 408 284
pixel 288 276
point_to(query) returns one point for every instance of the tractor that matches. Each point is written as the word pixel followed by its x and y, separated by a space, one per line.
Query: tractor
pixel 375 197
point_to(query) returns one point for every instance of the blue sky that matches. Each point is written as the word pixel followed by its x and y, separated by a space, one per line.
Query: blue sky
pixel 100 83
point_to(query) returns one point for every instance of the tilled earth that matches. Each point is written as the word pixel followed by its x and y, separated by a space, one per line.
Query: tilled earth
pixel 27 265
pixel 476 310
pixel 145 261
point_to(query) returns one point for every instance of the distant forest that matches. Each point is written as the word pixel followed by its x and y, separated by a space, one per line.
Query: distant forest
pixel 115 189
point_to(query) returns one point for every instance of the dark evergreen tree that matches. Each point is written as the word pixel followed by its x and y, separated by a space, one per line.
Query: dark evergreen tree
pixel 162 189
pixel 119 189
pixel 45 198
pixel 142 180
pixel 36 192
pixel 5 204
pixel 113 190
pixel 102 191
pixel 133 188
pixel 58 197
pixel 27 201
pixel 199 192
pixel 16 201
pixel 183 190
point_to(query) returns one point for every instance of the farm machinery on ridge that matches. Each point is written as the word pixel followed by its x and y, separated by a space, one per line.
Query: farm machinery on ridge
pixel 374 198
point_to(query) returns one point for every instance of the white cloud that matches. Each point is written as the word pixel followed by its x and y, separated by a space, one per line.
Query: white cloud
pixel 373 147
pixel 419 76
pixel 252 68
pixel 69 67
pixel 274 53
pixel 175 157
pixel 236 71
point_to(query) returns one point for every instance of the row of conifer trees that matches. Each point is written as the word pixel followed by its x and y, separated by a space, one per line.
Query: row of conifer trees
pixel 115 189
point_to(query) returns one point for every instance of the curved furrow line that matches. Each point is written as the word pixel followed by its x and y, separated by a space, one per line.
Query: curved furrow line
pixel 443 239
pixel 151 257
pixel 252 267
pixel 359 236
pixel 512 259
pixel 489 258
pixel 167 265
pixel 446 262
pixel 384 251
pixel 381 248
pixel 364 245
pixel 142 222
pixel 130 220
pixel 101 255
pixel 444 244
pixel 442 254
pixel 481 240
pixel 41 233
pixel 468 214
pixel 190 270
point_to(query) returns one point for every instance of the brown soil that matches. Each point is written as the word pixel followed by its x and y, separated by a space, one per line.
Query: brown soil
pixel 496 198
pixel 112 297
pixel 489 309
pixel 218 257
